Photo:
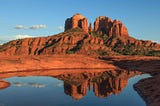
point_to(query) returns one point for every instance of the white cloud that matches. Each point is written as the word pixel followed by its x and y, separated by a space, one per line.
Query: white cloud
pixel 60 28
pixel 156 41
pixel 20 36
pixel 4 39
pixel 59 84
pixel 41 26
pixel 19 84
pixel 19 27
pixel 36 85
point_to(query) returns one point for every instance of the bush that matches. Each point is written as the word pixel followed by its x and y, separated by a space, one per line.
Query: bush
pixel 94 33
pixel 131 50
pixel 75 30
pixel 78 46
pixel 153 53
pixel 105 37
pixel 101 52
pixel 69 52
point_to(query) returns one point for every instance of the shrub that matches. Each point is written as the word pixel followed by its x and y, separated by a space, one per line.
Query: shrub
pixel 153 53
pixel 94 33
pixel 75 30
pixel 101 52
pixel 105 37
pixel 78 46
pixel 69 52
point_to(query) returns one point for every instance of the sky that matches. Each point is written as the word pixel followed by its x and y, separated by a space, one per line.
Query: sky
pixel 33 18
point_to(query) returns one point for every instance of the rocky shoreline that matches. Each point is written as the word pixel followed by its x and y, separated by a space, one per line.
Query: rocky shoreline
pixel 147 88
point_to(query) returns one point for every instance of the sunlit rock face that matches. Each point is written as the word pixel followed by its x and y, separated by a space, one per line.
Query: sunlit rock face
pixel 110 27
pixel 103 83
pixel 108 37
pixel 75 21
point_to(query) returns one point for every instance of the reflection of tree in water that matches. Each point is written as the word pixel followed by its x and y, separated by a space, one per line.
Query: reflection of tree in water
pixel 103 83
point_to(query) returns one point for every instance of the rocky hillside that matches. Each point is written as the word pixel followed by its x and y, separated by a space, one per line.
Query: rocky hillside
pixel 69 42
pixel 108 37
pixel 116 36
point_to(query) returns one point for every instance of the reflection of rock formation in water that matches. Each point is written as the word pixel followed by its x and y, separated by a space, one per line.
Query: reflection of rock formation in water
pixel 4 84
pixel 104 83
pixel 106 87
pixel 77 92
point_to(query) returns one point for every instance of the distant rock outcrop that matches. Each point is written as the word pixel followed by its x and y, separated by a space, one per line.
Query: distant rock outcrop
pixel 111 28
pixel 75 21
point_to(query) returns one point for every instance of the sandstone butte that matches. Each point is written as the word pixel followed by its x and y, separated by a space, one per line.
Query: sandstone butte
pixel 112 28
pixel 77 21
pixel 108 37
pixel 86 47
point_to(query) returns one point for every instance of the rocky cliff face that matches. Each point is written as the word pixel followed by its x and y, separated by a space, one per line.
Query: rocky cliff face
pixel 117 37
pixel 109 37
pixel 75 21
pixel 102 24
pixel 109 27
pixel 73 41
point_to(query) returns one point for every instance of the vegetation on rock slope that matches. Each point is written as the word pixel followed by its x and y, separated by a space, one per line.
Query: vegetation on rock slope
pixel 109 37
pixel 76 41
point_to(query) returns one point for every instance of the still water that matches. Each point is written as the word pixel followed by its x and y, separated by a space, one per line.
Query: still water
pixel 72 89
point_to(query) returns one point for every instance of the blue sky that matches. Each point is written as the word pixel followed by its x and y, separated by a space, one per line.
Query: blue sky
pixel 22 18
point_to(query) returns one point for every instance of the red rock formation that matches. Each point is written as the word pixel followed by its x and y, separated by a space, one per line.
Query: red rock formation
pixel 103 24
pixel 118 29
pixel 4 84
pixel 112 85
pixel 78 42
pixel 111 28
pixel 148 89
pixel 110 36
pixel 76 21
pixel 77 92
